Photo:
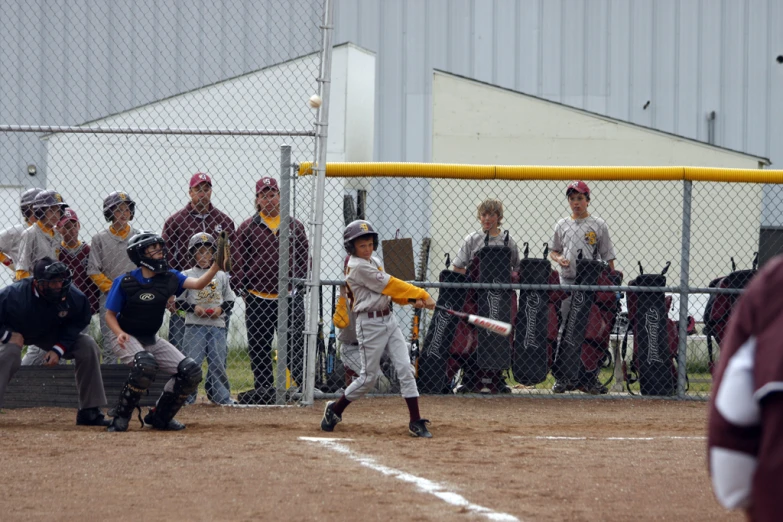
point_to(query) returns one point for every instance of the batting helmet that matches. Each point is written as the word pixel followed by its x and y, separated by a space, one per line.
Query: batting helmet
pixel 114 199
pixel 136 251
pixel 357 229
pixel 26 201
pixel 47 273
pixel 200 239
pixel 45 199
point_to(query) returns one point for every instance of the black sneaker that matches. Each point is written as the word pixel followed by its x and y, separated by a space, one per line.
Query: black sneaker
pixel 562 386
pixel 118 424
pixel 152 421
pixel 91 417
pixel 330 419
pixel 419 429
pixel 257 397
pixel 593 388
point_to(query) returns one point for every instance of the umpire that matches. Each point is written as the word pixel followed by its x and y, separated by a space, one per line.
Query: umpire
pixel 47 311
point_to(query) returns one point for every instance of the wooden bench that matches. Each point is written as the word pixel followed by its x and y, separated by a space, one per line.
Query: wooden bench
pixel 36 386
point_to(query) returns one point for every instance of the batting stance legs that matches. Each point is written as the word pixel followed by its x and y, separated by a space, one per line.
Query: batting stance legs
pixel 145 363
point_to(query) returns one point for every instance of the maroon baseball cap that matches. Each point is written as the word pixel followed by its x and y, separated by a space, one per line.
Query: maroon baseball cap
pixel 198 178
pixel 68 215
pixel 267 183
pixel 578 186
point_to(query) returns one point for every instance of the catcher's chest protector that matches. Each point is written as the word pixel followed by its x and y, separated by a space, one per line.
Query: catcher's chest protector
pixel 440 334
pixel 648 317
pixel 531 344
pixel 568 359
pixel 494 266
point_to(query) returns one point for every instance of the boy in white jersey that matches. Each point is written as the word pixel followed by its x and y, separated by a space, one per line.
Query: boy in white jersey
pixel 41 239
pixel 109 256
pixel 584 232
pixel 370 292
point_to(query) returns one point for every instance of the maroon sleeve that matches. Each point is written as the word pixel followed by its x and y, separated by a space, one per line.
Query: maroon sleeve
pixel 238 250
pixel 171 235
pixel 767 485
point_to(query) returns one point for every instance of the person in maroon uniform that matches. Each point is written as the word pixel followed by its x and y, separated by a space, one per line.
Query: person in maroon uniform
pixel 198 216
pixel 75 254
pixel 745 433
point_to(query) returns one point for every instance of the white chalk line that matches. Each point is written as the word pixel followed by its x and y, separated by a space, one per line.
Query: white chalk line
pixel 425 485
pixel 663 437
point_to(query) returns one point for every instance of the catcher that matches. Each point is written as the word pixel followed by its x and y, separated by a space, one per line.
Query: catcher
pixel 135 308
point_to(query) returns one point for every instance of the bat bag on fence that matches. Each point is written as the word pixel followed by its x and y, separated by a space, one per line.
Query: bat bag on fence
pixel 567 365
pixel 532 349
pixel 494 265
pixel 653 358
pixel 433 362
pixel 719 306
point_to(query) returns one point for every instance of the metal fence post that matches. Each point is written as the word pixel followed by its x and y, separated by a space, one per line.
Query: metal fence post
pixel 282 272
pixel 682 327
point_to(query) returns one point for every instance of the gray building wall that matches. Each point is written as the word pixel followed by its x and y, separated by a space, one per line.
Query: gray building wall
pixel 70 62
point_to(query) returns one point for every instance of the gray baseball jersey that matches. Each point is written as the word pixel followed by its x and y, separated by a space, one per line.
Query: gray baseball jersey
pixel 109 254
pixel 10 240
pixel 36 244
pixel 475 242
pixel 366 280
pixel 211 296
pixel 572 235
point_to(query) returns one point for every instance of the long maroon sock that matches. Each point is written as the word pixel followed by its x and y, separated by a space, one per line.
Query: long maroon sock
pixel 340 406
pixel 413 408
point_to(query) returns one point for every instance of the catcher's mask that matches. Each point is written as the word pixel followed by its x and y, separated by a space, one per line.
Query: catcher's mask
pixel 52 279
pixel 137 247
pixel 199 240
pixel 358 229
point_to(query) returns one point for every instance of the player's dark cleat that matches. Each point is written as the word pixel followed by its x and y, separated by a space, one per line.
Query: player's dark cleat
pixel 593 388
pixel 562 386
pixel 504 388
pixel 330 419
pixel 118 424
pixel 151 420
pixel 91 417
pixel 257 397
pixel 419 429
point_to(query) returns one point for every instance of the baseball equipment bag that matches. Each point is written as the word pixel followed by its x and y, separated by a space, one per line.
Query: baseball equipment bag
pixel 568 359
pixel 654 349
pixel 434 356
pixel 719 306
pixel 223 258
pixel 530 363
pixel 494 265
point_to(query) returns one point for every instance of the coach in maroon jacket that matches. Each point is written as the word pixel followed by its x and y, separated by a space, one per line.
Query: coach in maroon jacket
pixel 746 404
pixel 255 278
pixel 200 215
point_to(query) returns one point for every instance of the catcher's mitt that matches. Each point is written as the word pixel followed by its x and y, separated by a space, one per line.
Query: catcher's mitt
pixel 223 259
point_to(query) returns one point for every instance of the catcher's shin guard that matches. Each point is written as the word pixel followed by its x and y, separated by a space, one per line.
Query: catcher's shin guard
pixel 494 264
pixel 142 373
pixel 432 376
pixel 569 350
pixel 531 355
pixel 186 381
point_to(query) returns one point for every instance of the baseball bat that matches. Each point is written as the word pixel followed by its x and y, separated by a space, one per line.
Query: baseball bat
pixel 493 325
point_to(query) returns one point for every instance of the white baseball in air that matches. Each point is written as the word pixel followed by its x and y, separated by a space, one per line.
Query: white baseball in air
pixel 314 101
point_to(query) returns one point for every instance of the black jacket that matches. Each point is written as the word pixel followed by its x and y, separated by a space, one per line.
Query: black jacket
pixel 46 325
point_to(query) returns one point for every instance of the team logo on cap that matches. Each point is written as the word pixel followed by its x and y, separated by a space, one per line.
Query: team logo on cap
pixel 123 196
pixel 203 237
pixel 267 181
pixel 364 227
pixel 202 177
pixel 58 197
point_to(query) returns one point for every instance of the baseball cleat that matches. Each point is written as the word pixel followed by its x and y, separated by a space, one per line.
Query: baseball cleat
pixel 593 388
pixel 152 421
pixel 118 424
pixel 91 417
pixel 419 429
pixel 562 387
pixel 330 419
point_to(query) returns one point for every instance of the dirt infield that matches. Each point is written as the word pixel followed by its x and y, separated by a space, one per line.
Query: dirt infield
pixel 490 459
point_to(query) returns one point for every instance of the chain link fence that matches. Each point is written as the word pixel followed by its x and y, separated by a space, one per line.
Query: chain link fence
pixel 167 117
pixel 593 328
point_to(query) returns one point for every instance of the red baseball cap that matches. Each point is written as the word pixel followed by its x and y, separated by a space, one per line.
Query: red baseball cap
pixel 267 183
pixel 198 178
pixel 68 215
pixel 578 186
